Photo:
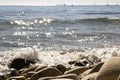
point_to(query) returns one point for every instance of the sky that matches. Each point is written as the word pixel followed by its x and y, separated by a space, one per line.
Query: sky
pixel 55 2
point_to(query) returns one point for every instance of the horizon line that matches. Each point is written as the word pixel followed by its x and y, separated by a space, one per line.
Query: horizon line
pixel 60 5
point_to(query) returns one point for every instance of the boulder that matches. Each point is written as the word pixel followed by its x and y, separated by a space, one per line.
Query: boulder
pixel 19 63
pixel 29 74
pixel 63 77
pixel 13 72
pixel 93 59
pixel 110 69
pixel 46 72
pixel 3 77
pixel 31 68
pixel 77 70
pixel 97 67
pixel 90 76
pixel 61 67
pixel 17 78
pixel 85 73
pixel 40 68
pixel 118 77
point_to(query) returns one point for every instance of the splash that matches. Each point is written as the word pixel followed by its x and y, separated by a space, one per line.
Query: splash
pixel 43 21
pixel 53 57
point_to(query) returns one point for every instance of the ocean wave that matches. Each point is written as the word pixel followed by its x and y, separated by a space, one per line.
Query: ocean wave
pixel 46 21
pixel 88 20
pixel 11 44
pixel 101 13
pixel 36 22
pixel 105 20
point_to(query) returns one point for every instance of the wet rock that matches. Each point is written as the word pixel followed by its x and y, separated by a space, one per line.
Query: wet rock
pixel 40 68
pixel 19 63
pixel 110 69
pixel 63 77
pixel 13 72
pixel 77 70
pixel 70 76
pixel 85 73
pixel 118 77
pixel 29 74
pixel 93 59
pixel 76 63
pixel 85 61
pixel 97 67
pixel 17 78
pixel 90 77
pixel 3 77
pixel 31 68
pixel 61 67
pixel 46 72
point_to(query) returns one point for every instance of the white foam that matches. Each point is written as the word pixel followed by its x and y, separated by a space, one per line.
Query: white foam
pixel 52 57
pixel 44 21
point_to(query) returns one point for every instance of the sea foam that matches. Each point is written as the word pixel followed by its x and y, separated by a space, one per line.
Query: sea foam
pixel 52 57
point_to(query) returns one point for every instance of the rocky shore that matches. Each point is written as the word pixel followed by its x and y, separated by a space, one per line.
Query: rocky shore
pixel 87 68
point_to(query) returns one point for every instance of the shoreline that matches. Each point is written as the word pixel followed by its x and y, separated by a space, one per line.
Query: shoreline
pixel 69 60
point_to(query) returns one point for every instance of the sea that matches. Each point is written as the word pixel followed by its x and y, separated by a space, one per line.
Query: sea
pixel 74 30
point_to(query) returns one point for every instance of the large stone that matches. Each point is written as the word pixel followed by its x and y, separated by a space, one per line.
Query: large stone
pixel 13 72
pixel 31 68
pixel 19 63
pixel 77 70
pixel 85 73
pixel 90 76
pixel 29 74
pixel 118 77
pixel 3 77
pixel 40 68
pixel 93 59
pixel 46 72
pixel 63 77
pixel 61 67
pixel 97 67
pixel 110 69
pixel 17 78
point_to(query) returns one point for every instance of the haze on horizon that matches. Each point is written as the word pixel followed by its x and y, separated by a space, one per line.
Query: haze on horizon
pixel 55 2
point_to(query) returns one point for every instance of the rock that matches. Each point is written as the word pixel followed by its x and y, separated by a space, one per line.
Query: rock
pixel 77 70
pixel 118 77
pixel 63 77
pixel 40 68
pixel 61 67
pixel 46 72
pixel 3 77
pixel 13 72
pixel 76 63
pixel 70 76
pixel 29 74
pixel 93 59
pixel 90 77
pixel 97 67
pixel 110 69
pixel 85 73
pixel 19 63
pixel 31 68
pixel 85 61
pixel 17 78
